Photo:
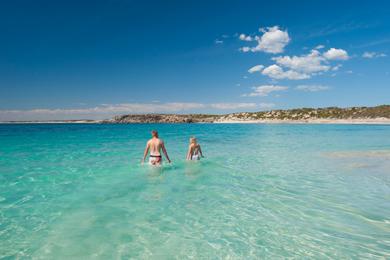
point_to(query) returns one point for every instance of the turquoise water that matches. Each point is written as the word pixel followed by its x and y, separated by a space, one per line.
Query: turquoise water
pixel 71 191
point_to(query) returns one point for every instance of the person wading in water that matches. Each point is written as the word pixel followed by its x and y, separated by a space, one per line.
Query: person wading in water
pixel 194 150
pixel 155 145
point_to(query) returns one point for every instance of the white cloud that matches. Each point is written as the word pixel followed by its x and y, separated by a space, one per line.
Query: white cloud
pixel 310 63
pixel 218 41
pixel 273 40
pixel 110 110
pixel 370 55
pixel 264 90
pixel 304 66
pixel 246 38
pixel 256 68
pixel 276 72
pixel 337 67
pixel 266 105
pixel 311 88
pixel 245 49
pixel 336 54
pixel 228 106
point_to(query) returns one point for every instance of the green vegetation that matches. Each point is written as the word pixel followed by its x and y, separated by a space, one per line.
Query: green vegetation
pixel 316 113
pixel 291 114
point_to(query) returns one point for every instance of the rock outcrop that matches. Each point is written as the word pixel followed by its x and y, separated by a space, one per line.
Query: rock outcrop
pixel 301 114
pixel 163 118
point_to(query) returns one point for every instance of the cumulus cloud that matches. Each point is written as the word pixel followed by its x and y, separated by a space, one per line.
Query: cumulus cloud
pixel 246 38
pixel 336 54
pixel 110 110
pixel 256 68
pixel 218 41
pixel 276 72
pixel 311 88
pixel 304 66
pixel 370 55
pixel 245 49
pixel 273 41
pixel 296 67
pixel 318 47
pixel 264 90
pixel 310 63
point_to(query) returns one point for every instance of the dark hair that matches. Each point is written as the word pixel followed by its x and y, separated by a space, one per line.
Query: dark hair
pixel 154 133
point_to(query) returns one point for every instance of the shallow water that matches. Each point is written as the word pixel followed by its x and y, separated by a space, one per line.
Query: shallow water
pixel 79 191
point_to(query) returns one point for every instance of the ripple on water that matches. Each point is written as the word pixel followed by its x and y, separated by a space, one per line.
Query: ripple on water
pixel 262 192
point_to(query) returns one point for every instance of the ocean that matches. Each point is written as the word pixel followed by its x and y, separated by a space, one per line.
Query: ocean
pixel 78 191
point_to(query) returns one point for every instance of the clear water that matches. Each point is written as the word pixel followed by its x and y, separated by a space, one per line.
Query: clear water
pixel 273 191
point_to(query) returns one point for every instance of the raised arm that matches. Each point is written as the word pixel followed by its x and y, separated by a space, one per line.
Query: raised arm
pixel 165 151
pixel 146 152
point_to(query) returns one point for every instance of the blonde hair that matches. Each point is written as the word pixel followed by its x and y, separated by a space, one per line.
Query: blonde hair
pixel 193 140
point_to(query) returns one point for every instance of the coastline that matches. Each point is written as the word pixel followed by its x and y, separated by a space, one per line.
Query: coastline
pixel 329 115
pixel 53 122
pixel 375 121
pixel 363 121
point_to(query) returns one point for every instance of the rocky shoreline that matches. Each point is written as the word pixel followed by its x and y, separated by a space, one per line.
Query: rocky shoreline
pixel 330 115
pixel 378 114
pixel 163 118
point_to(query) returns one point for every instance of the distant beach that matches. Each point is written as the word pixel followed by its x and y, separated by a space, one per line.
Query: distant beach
pixel 367 121
pixel 374 121
pixel 331 115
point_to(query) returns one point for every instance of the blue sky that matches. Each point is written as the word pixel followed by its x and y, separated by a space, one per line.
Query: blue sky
pixel 96 59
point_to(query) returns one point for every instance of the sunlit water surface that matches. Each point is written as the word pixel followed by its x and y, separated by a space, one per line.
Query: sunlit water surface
pixel 71 191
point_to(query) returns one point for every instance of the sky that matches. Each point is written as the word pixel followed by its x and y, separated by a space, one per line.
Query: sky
pixel 96 59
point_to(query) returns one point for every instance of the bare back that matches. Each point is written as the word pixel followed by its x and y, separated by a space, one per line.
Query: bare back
pixel 155 145
pixel 194 148
pixel 194 152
